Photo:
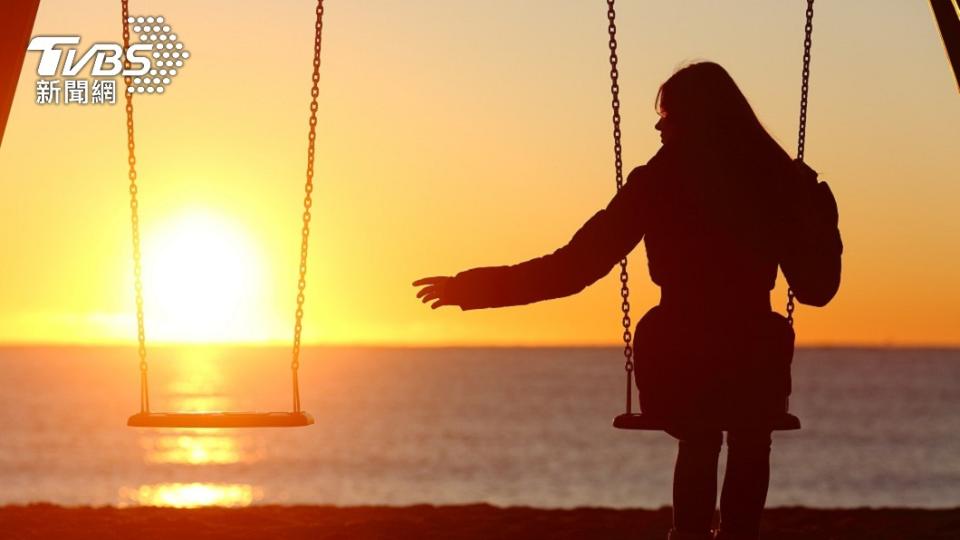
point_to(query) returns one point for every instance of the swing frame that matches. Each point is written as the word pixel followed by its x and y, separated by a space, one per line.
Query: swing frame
pixel 221 419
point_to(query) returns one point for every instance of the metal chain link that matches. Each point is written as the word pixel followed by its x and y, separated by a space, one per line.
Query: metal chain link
pixel 805 83
pixel 618 164
pixel 307 204
pixel 802 130
pixel 135 217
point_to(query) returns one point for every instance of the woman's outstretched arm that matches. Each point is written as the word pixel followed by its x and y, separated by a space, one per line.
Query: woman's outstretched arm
pixel 600 243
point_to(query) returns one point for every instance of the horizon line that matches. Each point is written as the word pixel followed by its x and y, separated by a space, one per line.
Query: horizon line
pixel 436 345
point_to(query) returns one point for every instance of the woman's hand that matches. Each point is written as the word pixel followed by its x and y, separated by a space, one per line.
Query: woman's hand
pixel 805 174
pixel 435 288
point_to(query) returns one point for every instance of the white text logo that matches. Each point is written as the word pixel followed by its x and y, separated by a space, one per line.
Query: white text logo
pixel 149 65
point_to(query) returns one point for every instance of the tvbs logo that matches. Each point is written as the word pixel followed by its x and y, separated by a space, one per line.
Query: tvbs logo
pixel 151 62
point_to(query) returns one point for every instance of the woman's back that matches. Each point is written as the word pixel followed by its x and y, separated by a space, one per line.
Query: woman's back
pixel 712 234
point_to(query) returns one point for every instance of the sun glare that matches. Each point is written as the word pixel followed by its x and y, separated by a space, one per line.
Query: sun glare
pixel 193 495
pixel 202 278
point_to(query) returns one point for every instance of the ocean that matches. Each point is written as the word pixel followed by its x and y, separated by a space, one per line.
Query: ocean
pixel 400 426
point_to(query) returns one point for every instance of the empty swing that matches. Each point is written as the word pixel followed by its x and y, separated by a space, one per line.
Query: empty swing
pixel 294 418
pixel 782 420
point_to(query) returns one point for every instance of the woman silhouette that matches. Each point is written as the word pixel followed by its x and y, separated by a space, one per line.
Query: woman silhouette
pixel 713 207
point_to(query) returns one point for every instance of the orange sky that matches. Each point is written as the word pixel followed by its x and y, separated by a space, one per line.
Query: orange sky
pixel 454 134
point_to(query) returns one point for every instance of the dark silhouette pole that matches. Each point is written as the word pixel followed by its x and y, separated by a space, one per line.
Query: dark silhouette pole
pixel 17 17
pixel 948 20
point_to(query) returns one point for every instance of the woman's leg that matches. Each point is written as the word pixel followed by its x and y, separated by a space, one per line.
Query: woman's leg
pixel 745 483
pixel 695 481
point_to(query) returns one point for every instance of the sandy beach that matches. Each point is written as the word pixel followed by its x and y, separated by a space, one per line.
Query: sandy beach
pixel 481 521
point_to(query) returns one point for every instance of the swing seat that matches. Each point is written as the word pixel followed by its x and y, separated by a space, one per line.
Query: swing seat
pixel 781 422
pixel 220 419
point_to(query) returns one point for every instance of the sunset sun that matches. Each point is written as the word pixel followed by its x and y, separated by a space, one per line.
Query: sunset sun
pixel 202 278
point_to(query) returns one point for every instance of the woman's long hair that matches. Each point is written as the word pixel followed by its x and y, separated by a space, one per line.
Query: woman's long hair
pixel 706 105
pixel 741 167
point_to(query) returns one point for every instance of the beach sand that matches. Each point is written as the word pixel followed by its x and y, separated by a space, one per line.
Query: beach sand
pixel 480 521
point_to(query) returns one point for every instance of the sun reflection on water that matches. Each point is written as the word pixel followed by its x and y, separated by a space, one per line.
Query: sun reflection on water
pixel 196 383
pixel 196 373
pixel 200 448
pixel 200 403
pixel 192 495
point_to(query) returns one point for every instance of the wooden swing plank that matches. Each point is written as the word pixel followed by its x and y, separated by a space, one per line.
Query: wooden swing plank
pixel 220 419
pixel 783 422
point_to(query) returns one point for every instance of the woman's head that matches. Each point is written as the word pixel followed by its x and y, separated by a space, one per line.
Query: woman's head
pixel 701 101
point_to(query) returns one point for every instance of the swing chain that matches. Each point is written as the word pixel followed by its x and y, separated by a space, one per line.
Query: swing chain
pixel 618 164
pixel 307 204
pixel 805 83
pixel 135 217
pixel 802 130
